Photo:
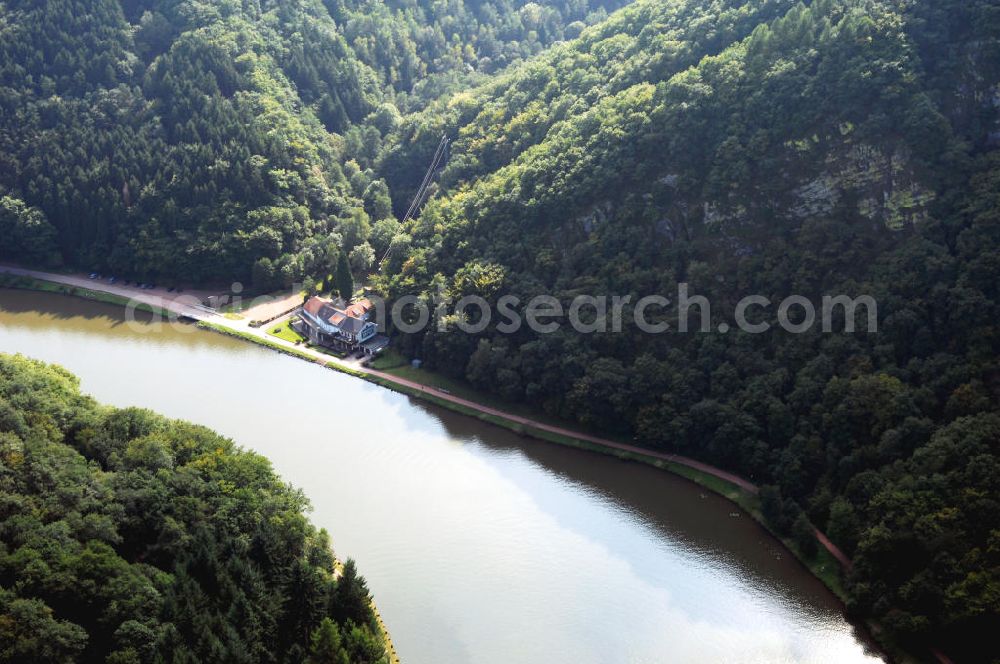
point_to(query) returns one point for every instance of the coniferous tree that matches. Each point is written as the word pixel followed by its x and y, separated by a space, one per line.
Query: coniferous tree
pixel 162 565
pixel 326 645
pixel 343 277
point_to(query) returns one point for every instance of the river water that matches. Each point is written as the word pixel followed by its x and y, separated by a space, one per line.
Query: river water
pixel 479 545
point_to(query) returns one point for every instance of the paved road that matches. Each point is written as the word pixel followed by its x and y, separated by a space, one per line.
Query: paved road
pixel 184 306
pixel 832 548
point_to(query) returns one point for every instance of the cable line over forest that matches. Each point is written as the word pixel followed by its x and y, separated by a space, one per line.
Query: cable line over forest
pixel 437 162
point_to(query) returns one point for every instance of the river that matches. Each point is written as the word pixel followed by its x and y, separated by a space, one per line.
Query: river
pixel 479 545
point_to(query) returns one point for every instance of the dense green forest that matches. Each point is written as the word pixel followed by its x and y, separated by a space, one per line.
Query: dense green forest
pixel 740 146
pixel 126 537
pixel 169 138
pixel 769 148
pixel 191 139
pixel 424 49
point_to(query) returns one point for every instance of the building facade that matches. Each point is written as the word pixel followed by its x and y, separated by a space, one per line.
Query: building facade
pixel 347 329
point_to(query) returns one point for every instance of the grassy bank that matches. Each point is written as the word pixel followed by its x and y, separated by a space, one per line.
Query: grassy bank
pixel 286 332
pixel 267 343
pixel 281 348
pixel 30 283
pixel 394 364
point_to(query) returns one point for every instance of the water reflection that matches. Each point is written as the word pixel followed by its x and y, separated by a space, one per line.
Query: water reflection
pixel 698 526
pixel 479 545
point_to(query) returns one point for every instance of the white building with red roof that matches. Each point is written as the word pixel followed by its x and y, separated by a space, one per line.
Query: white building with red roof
pixel 348 328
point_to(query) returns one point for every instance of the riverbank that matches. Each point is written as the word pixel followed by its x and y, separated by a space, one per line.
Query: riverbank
pixel 22 282
pixel 30 283
pixel 390 648
pixel 734 488
pixel 729 485
pixel 824 565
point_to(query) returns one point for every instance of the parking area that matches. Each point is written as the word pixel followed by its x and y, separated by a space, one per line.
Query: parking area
pixel 267 307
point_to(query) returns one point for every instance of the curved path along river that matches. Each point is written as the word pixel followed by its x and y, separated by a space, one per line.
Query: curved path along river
pixel 188 307
pixel 478 544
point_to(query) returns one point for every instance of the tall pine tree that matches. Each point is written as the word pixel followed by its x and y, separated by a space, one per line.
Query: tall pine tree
pixel 344 279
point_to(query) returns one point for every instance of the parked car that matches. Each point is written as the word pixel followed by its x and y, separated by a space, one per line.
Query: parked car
pixel 93 275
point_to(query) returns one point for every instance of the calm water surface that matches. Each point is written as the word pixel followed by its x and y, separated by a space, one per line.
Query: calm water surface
pixel 479 545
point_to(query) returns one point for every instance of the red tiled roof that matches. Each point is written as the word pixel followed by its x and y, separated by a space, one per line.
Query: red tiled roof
pixel 359 308
pixel 314 304
pixel 349 319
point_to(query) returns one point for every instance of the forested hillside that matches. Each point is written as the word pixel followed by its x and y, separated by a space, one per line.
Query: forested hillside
pixel 126 537
pixel 189 139
pixel 424 49
pixel 769 148
pixel 493 124
pixel 170 137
